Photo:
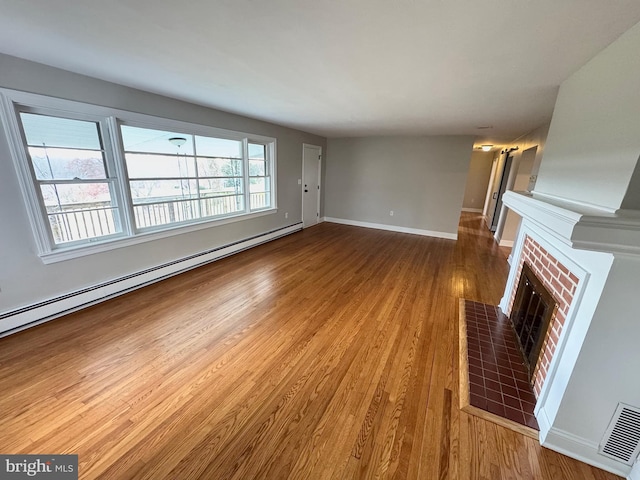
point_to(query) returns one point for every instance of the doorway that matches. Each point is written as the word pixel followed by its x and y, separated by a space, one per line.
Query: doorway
pixel 498 187
pixel 311 168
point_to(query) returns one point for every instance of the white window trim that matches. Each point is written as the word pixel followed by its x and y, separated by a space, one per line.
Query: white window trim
pixel 115 118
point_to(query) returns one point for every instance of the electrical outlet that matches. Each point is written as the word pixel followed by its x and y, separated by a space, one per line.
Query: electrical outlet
pixel 391 213
pixel 286 215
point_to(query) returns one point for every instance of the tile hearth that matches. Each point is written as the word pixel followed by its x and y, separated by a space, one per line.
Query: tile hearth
pixel 497 377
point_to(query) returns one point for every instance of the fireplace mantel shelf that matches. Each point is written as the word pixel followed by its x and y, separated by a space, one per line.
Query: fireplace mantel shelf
pixel 579 226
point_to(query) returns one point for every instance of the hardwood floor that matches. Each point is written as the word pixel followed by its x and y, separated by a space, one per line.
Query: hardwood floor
pixel 328 354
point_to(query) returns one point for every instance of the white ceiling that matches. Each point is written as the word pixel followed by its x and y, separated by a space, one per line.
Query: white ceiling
pixel 332 67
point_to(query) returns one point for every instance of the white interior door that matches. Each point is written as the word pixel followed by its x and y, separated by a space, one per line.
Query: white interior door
pixel 311 162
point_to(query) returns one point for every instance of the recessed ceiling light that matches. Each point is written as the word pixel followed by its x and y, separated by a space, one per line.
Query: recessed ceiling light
pixel 486 148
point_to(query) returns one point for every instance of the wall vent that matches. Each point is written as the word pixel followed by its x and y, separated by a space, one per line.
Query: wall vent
pixel 621 441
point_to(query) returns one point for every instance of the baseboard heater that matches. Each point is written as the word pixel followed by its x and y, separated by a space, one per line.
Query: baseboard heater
pixel 22 318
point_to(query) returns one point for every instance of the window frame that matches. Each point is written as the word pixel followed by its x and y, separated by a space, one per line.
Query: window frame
pixel 269 171
pixel 111 177
pixel 109 120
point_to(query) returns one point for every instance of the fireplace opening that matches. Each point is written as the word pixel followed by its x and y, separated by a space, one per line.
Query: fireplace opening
pixel 533 309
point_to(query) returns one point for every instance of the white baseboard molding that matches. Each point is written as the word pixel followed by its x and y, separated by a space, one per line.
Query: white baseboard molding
pixel 472 210
pixel 583 450
pixel 393 228
pixel 20 319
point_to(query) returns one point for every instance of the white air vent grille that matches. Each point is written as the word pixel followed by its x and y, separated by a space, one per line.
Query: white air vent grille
pixel 621 441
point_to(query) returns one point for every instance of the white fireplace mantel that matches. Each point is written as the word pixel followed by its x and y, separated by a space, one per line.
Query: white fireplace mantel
pixel 579 225
pixel 596 355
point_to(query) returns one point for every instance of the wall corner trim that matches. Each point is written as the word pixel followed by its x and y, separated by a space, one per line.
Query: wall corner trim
pixel 393 228
pixel 582 449
pixel 19 319
pixel 635 471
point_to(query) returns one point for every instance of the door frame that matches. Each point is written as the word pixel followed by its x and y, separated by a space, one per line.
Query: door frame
pixel 319 147
pixel 505 177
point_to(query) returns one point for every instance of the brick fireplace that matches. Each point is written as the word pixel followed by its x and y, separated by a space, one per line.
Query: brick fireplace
pixel 561 284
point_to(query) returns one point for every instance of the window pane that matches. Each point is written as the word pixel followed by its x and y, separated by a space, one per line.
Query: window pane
pixel 260 193
pixel 148 191
pixel 137 139
pixel 165 213
pixel 60 196
pixel 80 211
pixel 257 168
pixel 66 163
pixel 215 187
pixel 60 132
pixel 257 151
pixel 218 147
pixel 219 167
pixel 140 165
pixel 214 206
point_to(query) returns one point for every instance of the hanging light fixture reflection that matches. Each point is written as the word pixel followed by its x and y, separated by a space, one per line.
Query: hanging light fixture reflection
pixel 178 141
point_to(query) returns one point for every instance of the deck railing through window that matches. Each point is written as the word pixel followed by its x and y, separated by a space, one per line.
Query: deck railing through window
pixel 72 222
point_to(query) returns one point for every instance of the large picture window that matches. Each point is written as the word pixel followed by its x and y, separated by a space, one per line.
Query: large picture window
pixel 96 176
pixel 176 178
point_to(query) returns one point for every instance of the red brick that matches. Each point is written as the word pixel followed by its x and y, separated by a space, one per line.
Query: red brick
pixel 554 271
pixel 573 278
pixel 565 281
pixel 557 287
pixel 567 297
pixel 538 268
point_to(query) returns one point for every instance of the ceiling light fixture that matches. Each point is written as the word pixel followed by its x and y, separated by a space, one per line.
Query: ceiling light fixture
pixel 486 148
pixel 178 141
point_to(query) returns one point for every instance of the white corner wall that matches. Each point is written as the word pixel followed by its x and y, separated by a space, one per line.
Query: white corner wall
pixel 591 159
pixel 594 141
pixel 26 281
pixel 421 179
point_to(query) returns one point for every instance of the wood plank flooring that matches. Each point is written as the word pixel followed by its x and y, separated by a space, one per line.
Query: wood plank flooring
pixel 328 354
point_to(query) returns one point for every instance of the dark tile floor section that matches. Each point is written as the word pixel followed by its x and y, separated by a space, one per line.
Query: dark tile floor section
pixel 498 380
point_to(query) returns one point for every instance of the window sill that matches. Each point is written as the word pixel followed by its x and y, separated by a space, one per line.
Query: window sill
pixel 62 254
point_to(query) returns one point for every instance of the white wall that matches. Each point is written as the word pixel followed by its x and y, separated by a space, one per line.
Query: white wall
pixel 477 180
pixel 607 368
pixel 594 142
pixel 422 179
pixel 25 280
